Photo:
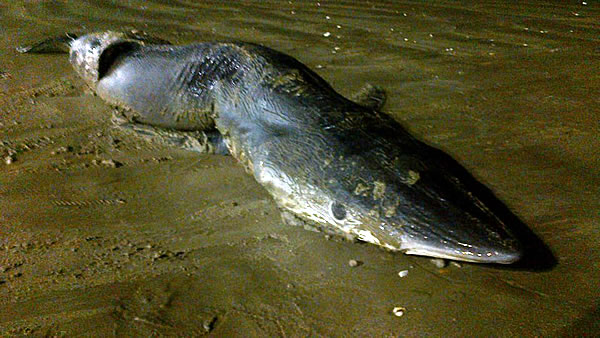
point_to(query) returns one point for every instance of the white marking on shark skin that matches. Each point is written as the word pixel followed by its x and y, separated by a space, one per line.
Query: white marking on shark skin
pixel 367 236
pixel 361 189
pixel 378 190
pixel 413 177
pixel 390 247
pixel 428 253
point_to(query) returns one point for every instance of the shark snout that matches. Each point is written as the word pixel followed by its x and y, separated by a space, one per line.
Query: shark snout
pixel 492 254
pixel 464 243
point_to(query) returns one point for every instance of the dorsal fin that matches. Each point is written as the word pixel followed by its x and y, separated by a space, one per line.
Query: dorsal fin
pixel 370 96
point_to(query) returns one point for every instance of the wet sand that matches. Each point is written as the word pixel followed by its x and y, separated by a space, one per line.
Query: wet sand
pixel 103 233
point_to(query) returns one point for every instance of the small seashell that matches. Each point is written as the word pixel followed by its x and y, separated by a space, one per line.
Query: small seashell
pixel 353 263
pixel 439 263
pixel 398 311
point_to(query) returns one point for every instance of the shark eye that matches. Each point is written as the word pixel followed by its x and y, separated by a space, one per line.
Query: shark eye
pixel 338 211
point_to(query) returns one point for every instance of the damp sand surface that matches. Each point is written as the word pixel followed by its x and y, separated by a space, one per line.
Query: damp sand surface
pixel 103 233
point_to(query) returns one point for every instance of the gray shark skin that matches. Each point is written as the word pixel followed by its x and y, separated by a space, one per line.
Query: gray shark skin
pixel 328 162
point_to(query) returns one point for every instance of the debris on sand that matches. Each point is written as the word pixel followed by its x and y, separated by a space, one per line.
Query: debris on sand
pixel 398 311
pixel 439 263
pixel 354 263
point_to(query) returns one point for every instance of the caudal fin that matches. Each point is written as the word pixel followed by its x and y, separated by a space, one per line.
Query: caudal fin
pixel 59 44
